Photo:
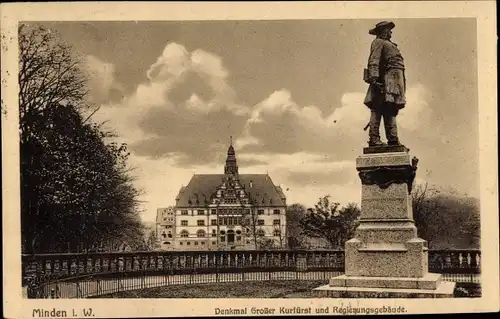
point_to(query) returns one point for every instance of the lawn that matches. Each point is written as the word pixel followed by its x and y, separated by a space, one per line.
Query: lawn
pixel 256 289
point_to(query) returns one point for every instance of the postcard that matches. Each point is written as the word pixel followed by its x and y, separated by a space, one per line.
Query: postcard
pixel 249 159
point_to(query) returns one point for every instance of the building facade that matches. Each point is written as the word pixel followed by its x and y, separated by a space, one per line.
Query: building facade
pixel 165 228
pixel 225 211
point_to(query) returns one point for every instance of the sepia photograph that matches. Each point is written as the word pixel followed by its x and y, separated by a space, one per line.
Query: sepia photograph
pixel 340 159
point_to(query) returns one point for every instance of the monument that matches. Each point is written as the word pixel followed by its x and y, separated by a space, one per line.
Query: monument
pixel 386 258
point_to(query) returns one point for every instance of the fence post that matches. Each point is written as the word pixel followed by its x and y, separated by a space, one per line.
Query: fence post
pixel 216 268
pixel 99 288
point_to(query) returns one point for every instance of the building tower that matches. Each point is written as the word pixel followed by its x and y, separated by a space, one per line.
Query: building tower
pixel 231 168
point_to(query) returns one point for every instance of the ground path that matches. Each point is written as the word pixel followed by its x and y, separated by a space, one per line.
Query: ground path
pixel 94 287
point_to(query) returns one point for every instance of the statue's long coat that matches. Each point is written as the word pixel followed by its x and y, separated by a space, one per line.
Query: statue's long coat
pixel 386 64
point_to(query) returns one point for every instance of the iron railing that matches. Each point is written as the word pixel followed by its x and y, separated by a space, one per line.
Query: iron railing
pixel 92 274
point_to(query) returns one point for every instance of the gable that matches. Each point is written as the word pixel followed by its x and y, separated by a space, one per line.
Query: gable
pixel 202 187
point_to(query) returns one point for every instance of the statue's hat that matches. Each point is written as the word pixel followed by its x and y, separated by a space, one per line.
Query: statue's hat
pixel 380 25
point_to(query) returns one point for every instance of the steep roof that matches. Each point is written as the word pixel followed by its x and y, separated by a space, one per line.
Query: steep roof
pixel 260 187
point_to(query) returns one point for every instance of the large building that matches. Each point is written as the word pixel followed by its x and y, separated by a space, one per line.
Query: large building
pixel 225 211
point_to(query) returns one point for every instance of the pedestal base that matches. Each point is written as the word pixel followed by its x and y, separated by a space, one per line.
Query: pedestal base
pixel 443 290
pixel 386 259
pixel 429 281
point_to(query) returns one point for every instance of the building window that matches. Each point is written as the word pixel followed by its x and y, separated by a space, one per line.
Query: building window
pixel 277 233
pixel 247 211
pixel 238 238
pixel 200 222
pixel 230 221
pixel 238 232
pixel 164 235
pixel 220 221
pixel 181 243
pixel 224 221
pixel 184 222
pixel 222 232
pixel 196 243
pixel 184 212
pixel 188 243
pixel 201 233
pixel 260 222
pixel 213 211
pixel 276 212
pixel 239 220
pixel 201 212
pixel 184 233
pixel 214 233
pixel 213 222
pixel 261 233
pixel 222 238
pixel 276 222
pixel 214 243
pixel 203 243
pixel 260 212
pixel 169 235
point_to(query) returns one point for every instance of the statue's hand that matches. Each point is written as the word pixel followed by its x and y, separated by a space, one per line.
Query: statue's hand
pixel 374 81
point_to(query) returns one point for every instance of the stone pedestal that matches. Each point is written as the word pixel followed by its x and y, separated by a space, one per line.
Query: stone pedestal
pixel 386 258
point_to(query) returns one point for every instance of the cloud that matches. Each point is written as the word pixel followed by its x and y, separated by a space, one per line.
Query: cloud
pixel 278 124
pixel 417 114
pixel 172 63
pixel 192 137
pixel 304 177
pixel 101 80
pixel 185 111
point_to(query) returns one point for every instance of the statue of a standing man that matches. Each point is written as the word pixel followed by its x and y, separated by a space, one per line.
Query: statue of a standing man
pixel 386 76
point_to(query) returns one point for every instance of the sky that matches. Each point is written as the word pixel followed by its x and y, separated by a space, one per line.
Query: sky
pixel 290 93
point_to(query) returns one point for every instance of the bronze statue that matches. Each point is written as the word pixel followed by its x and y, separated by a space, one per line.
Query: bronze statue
pixel 385 74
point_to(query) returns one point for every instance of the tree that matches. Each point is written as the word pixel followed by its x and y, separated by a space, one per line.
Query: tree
pixel 249 223
pixel 294 214
pixel 255 232
pixel 76 189
pixel 152 241
pixel 446 219
pixel 327 220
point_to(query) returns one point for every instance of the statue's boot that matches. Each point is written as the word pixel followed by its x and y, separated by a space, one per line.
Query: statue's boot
pixel 394 143
pixel 377 142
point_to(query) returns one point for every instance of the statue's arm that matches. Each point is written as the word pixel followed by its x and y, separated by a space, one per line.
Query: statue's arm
pixel 374 58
